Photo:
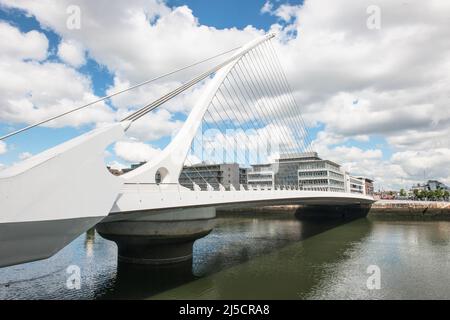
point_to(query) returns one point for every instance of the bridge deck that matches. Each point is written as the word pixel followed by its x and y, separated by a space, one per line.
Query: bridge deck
pixel 147 198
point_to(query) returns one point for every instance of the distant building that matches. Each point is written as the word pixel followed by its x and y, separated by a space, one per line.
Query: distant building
pixel 133 166
pixel 213 174
pixel 318 174
pixel 201 174
pixel 116 172
pixel 430 185
pixel 243 176
pixel 354 184
pixel 419 187
pixel 304 171
pixel 435 185
pixel 368 185
pixel 385 195
pixel 261 175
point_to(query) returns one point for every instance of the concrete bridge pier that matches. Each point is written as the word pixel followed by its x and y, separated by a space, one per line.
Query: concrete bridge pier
pixel 159 237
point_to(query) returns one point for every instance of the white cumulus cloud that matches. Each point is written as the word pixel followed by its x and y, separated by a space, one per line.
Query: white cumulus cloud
pixel 354 82
pixel 31 91
pixel 25 155
pixel 134 151
pixel 18 45
pixel 3 147
pixel 72 53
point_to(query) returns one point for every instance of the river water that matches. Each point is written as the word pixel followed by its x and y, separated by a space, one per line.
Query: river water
pixel 257 256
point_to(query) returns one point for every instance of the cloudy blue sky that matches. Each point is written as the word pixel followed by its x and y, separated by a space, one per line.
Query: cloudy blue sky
pixel 374 99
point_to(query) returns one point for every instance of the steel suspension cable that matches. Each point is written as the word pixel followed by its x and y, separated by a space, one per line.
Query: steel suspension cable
pixel 251 119
pixel 271 98
pixel 259 88
pixel 250 107
pixel 230 107
pixel 279 94
pixel 268 88
pixel 223 120
pixel 290 88
pixel 153 105
pixel 114 94
pixel 240 102
pixel 251 93
pixel 285 93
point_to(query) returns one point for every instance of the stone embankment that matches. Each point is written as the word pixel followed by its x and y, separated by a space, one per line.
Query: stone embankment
pixel 410 209
pixel 381 209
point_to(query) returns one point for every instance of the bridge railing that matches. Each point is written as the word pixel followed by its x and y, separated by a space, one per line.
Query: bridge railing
pixel 165 187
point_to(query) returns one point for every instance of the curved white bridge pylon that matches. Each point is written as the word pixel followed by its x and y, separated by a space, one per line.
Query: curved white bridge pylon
pixel 169 162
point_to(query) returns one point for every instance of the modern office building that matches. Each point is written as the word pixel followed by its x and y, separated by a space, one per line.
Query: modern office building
pixel 354 184
pixel 304 171
pixel 261 175
pixel 201 174
pixel 242 176
pixel 320 175
pixel 213 174
pixel 368 185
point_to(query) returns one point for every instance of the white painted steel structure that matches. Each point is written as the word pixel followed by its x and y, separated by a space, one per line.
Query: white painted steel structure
pixel 48 200
pixel 146 198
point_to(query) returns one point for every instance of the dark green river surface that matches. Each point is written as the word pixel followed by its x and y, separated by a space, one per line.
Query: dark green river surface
pixel 257 256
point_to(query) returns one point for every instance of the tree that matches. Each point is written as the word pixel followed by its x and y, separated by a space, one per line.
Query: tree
pixel 446 195
pixel 439 194
pixel 416 194
pixel 402 193
pixel 423 194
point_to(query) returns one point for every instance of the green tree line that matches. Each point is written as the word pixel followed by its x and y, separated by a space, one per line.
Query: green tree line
pixel 433 195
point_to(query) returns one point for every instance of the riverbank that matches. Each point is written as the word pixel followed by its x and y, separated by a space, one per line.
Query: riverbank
pixel 381 209
pixel 408 209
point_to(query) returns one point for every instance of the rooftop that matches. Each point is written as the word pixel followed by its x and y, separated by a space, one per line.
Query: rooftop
pixel 299 156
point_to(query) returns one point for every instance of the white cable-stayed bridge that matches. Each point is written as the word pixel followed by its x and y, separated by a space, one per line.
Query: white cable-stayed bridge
pixel 247 114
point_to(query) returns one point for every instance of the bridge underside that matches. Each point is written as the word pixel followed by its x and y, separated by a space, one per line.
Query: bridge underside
pixel 322 202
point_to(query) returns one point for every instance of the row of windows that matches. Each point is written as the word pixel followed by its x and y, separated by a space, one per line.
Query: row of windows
pixel 313 174
pixel 336 175
pixel 268 175
pixel 263 168
pixel 317 165
pixel 323 189
pixel 336 182
pixel 199 175
pixel 356 181
pixel 260 183
pixel 322 182
pixel 314 182
pixel 201 180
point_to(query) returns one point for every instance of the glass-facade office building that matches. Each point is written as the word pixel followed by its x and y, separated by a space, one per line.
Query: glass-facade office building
pixel 304 171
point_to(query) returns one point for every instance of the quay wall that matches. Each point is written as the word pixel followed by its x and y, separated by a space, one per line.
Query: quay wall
pixel 396 209
pixel 381 209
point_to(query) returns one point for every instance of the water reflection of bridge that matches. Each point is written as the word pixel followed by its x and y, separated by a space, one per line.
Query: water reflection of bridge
pixel 240 242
